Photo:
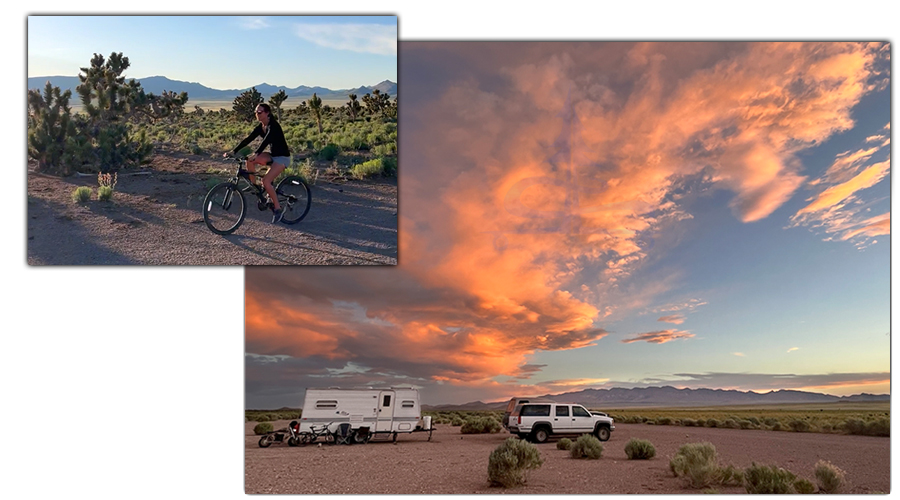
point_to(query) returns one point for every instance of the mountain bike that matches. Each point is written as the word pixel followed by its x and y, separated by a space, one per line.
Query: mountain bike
pixel 224 207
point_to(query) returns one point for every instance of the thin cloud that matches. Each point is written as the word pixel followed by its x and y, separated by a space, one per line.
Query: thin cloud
pixel 253 23
pixel 792 349
pixel 673 318
pixel 368 38
pixel 739 354
pixel 660 337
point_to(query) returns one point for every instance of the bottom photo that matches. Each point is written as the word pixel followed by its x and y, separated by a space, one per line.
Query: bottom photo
pixel 623 268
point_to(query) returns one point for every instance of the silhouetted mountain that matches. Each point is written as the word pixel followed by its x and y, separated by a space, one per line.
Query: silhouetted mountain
pixel 199 92
pixel 670 396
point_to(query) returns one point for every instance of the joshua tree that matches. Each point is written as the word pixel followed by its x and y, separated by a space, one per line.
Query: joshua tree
pixel 276 101
pixel 49 125
pixel 244 105
pixel 315 108
pixel 353 106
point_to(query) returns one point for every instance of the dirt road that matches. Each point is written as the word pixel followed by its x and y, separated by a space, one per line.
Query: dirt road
pixel 155 218
pixel 457 463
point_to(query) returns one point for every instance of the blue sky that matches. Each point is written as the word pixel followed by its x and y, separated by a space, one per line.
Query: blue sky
pixel 223 52
pixel 742 242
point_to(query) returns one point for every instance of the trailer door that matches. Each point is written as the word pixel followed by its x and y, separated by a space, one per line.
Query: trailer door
pixel 385 411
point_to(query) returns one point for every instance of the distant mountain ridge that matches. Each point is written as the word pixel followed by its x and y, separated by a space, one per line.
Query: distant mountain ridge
pixel 199 92
pixel 670 396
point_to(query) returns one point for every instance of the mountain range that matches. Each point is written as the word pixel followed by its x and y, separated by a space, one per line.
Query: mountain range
pixel 668 396
pixel 198 92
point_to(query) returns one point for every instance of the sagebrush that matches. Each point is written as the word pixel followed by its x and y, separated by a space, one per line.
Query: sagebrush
pixel 510 461
pixel 586 446
pixel 639 449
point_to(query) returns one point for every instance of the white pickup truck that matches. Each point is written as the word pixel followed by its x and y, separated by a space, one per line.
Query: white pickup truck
pixel 539 421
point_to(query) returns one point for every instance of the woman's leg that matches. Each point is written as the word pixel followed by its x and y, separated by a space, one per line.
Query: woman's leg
pixel 269 180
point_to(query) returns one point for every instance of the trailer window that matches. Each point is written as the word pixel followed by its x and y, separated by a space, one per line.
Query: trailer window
pixel 535 411
pixel 387 400
pixel 326 404
pixel 408 404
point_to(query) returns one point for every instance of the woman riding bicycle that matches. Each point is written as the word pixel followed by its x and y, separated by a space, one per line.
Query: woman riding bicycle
pixel 279 158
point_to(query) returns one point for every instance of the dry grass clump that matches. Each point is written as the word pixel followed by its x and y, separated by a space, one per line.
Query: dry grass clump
pixel 564 444
pixel 829 478
pixel 586 446
pixel 510 461
pixel 639 449
pixel 698 464
pixel 768 479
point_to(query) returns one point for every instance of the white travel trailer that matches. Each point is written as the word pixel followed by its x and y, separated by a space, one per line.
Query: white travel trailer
pixel 384 412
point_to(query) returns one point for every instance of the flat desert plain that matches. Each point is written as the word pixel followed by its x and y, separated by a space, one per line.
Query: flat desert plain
pixel 457 463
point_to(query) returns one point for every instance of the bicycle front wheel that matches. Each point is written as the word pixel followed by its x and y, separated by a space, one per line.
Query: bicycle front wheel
pixel 224 209
pixel 295 199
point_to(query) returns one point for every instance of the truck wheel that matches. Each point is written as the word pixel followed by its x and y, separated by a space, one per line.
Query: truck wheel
pixel 541 435
pixel 602 433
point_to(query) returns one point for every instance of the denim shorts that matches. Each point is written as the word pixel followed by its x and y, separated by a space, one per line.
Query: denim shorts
pixel 282 160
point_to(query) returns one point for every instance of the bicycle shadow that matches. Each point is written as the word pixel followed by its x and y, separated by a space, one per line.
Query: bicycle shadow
pixel 348 216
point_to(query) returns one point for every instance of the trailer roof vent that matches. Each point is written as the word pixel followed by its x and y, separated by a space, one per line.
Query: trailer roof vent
pixel 326 404
pixel 408 404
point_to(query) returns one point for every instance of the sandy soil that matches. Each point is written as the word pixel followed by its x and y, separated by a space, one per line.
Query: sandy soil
pixel 157 219
pixel 457 463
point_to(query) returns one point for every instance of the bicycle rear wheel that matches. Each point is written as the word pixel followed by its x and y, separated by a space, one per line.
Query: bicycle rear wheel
pixel 224 209
pixel 295 199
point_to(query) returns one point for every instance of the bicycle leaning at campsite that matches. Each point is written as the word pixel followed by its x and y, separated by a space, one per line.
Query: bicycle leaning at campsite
pixel 224 208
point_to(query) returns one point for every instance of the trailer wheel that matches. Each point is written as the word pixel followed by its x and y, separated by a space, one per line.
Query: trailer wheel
pixel 264 442
pixel 395 437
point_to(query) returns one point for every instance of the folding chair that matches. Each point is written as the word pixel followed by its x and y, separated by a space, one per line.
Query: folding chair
pixel 343 434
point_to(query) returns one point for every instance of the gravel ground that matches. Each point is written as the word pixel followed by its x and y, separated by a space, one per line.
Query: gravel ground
pixel 156 219
pixel 457 463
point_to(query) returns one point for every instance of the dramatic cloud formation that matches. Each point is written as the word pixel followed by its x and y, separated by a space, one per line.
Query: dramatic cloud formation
pixel 672 318
pixel 535 178
pixel 838 207
pixel 660 337
pixel 371 38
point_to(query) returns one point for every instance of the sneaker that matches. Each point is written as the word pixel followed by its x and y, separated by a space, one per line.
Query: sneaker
pixel 277 215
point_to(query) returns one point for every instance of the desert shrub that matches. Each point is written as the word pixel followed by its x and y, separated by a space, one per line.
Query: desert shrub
pixel 730 475
pixel 769 421
pixel 457 421
pixel 510 461
pixel 664 421
pixel 753 420
pixel 711 422
pixel 480 425
pixel 329 152
pixel 81 194
pixel 798 425
pixel 763 479
pixel 564 444
pixel 804 486
pixel 586 446
pixel 697 463
pixel 104 193
pixel 880 427
pixel 730 423
pixel 367 169
pixel 745 424
pixel 688 422
pixel 263 428
pixel 639 449
pixel 777 426
pixel 828 477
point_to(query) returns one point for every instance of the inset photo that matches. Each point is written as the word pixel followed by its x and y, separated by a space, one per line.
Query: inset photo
pixel 212 140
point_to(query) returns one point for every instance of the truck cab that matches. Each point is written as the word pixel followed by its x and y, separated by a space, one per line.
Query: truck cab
pixel 539 421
